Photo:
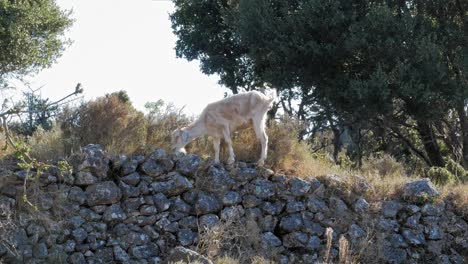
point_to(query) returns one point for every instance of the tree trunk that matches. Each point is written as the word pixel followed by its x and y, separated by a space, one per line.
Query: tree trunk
pixel 430 144
pixel 463 117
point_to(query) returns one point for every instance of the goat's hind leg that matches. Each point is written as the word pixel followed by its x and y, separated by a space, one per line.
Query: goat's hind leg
pixel 216 144
pixel 259 127
pixel 227 139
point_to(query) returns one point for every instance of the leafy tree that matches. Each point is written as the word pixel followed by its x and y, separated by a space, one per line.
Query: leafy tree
pixel 377 69
pixel 31 36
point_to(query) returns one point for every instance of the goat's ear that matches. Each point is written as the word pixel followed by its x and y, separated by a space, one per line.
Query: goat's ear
pixel 185 136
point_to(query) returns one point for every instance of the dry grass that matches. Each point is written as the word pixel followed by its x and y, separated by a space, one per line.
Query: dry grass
pixel 457 194
pixel 47 145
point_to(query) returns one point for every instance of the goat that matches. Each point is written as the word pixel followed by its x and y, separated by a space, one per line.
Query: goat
pixel 221 118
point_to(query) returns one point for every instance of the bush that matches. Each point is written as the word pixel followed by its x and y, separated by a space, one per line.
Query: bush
pixel 384 165
pixel 110 120
pixel 440 175
pixel 460 174
pixel 47 145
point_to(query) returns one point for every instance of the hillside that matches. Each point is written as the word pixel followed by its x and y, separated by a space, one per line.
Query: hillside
pixel 120 209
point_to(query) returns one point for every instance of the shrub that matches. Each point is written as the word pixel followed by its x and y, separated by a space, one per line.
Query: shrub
pixel 440 175
pixel 457 170
pixel 384 165
pixel 47 145
pixel 111 121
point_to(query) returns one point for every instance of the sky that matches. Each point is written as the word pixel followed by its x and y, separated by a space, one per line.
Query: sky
pixel 127 45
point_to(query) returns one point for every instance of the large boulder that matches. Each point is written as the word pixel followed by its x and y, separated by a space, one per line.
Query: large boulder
pixel 157 164
pixel 420 191
pixel 103 193
pixel 176 185
pixel 92 159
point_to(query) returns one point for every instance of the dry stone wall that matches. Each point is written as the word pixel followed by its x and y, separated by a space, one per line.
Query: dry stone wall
pixel 140 209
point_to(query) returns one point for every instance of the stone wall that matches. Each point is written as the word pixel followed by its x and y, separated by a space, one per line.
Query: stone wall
pixel 138 209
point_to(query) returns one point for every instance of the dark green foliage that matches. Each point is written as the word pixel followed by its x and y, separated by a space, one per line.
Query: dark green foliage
pixel 390 74
pixel 31 36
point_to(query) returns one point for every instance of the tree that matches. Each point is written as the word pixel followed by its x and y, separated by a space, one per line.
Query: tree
pixel 31 36
pixel 388 68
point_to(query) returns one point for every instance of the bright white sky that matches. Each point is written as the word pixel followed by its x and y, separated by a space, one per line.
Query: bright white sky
pixel 127 45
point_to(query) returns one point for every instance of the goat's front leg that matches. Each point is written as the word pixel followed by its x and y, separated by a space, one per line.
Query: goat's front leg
pixel 227 138
pixel 216 143
pixel 259 127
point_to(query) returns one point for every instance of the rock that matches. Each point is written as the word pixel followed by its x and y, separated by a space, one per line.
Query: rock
pixel 295 240
pixel 79 235
pixel 161 202
pixel 268 223
pixel 295 206
pixel 313 243
pixel 120 254
pixel 104 255
pixel 433 232
pixel 77 258
pixel 420 191
pixel 360 184
pixel 93 159
pixel 129 190
pixel 69 246
pixel 316 205
pixel 413 237
pixel 413 221
pixel 132 179
pixel 184 255
pixel 144 251
pixel 216 180
pixel 6 206
pixel 337 205
pixel 245 174
pixel 412 209
pixel 148 210
pixel 130 165
pixel 157 164
pixel 231 198
pixel 186 237
pixel 272 208
pixel 263 188
pixel 291 223
pixel 207 203
pixel 40 250
pixel 188 164
pixel 388 225
pixel 432 210
pixel 77 194
pixel 356 231
pixel 84 178
pixel 208 221
pixel 298 187
pixel 269 240
pixel 181 206
pixel 176 185
pixel 249 201
pixel 76 221
pixel 361 205
pixel 390 209
pixel 103 193
pixel 394 255
pixel 35 229
pixel 189 222
pixel 114 213
pixel 232 213
pixel 396 240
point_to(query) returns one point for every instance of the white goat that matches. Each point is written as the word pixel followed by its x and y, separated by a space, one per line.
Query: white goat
pixel 221 118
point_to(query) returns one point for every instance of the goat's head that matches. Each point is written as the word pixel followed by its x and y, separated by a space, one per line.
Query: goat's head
pixel 180 138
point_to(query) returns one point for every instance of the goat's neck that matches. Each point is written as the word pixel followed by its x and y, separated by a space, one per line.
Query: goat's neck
pixel 196 129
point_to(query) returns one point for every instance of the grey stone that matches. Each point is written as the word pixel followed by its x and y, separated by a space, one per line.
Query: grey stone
pixel 129 190
pixel 249 201
pixel 412 209
pixel 396 240
pixel 361 205
pixel 151 232
pixel 186 237
pixel 434 232
pixel 35 229
pixel 232 212
pixel 84 178
pixel 263 188
pixel 144 251
pixel 390 209
pixel 184 255
pixel 253 213
pixel 148 210
pixel 181 206
pixel 432 210
pixel 104 255
pixel 103 193
pixel 414 238
pixel 77 194
pixel 136 238
pixel 208 221
pixel 413 221
pixel 114 213
pixel 315 205
pixel 188 164
pixel 337 205
pixel 217 180
pixel 313 243
pixel 6 206
pixel 420 191
pixel 76 221
pixel 77 258
pixel 189 222
pixel 79 235
pixel 130 165
pixel 356 231
pixel 40 250
pixel 176 185
pixel 291 223
pixel 161 202
pixel 207 203
pixel 157 164
pixel 89 214
pixel 120 254
pixel 269 240
pixel 132 179
pixel 272 208
pixel 69 246
pixel 268 223
pixel 295 240
pixel 388 225
pixel 295 206
pixel 93 159
pixel 299 187
pixel 245 174
pixel 394 255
